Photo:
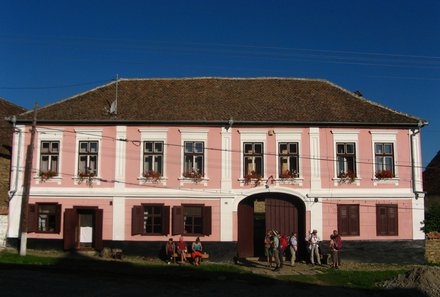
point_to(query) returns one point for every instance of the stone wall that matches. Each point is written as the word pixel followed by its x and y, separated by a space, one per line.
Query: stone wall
pixel 3 230
pixel 4 181
pixel 432 247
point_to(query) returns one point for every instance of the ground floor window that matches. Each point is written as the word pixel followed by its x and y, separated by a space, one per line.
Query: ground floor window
pixel 150 219
pixel 192 220
pixel 386 220
pixel 348 219
pixel 44 218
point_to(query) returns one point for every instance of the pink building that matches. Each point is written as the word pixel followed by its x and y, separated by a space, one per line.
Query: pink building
pixel 134 162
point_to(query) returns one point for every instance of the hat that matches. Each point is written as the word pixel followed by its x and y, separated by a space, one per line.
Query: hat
pixel 314 231
pixel 275 232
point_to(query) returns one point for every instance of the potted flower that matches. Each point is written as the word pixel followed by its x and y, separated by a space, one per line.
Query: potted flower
pixel 346 177
pixel 252 177
pixel 152 175
pixel 87 177
pixel 45 175
pixel 384 174
pixel 195 175
pixel 289 174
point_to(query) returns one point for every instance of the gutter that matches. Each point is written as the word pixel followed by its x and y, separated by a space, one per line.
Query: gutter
pixel 414 133
pixel 12 192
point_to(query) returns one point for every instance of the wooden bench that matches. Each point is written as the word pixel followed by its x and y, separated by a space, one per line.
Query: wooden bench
pixel 189 257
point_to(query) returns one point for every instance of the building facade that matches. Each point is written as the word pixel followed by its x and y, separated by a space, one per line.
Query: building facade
pixel 134 162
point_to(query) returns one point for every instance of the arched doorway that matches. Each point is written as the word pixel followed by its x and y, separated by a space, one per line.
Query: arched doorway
pixel 261 212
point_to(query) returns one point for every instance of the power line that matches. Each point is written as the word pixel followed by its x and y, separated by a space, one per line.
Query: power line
pixel 54 87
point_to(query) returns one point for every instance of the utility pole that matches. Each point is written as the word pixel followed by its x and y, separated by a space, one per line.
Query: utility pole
pixel 27 186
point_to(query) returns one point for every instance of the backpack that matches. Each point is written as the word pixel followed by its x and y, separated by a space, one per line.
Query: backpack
pixel 338 242
pixel 283 242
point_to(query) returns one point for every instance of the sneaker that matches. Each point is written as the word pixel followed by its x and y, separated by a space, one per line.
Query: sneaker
pixel 276 269
pixel 169 263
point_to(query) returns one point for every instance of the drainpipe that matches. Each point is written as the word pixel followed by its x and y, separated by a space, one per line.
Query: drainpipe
pixel 414 133
pixel 12 192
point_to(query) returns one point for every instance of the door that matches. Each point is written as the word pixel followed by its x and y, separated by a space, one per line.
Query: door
pixel 245 229
pixel 83 228
pixel 281 215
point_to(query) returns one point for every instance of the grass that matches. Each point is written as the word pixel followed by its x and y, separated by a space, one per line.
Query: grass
pixel 350 279
pixel 13 258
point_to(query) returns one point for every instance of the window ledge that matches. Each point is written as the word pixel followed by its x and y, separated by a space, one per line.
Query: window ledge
pixel 143 180
pixel 55 179
pixel 290 181
pixel 188 180
pixel 95 180
pixel 346 181
pixel 386 181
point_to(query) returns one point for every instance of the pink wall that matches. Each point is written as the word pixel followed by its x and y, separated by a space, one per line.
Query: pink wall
pixel 103 204
pixel 367 218
pixel 215 204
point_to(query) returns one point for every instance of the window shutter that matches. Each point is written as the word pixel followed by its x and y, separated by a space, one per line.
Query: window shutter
pixel 178 227
pixel 70 223
pixel 166 220
pixel 99 245
pixel 392 220
pixel 343 220
pixel 207 220
pixel 137 220
pixel 32 224
pixel 353 220
pixel 58 219
pixel 381 220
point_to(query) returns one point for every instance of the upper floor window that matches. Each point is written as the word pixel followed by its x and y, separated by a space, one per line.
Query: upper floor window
pixel 253 158
pixel 153 157
pixel 49 156
pixel 384 160
pixel 88 157
pixel 346 159
pixel 288 160
pixel 194 155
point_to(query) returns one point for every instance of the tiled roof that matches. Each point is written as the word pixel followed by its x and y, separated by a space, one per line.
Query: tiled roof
pixel 431 176
pixel 201 100
pixel 7 109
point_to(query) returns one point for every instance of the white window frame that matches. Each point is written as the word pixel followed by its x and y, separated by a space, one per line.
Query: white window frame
pixel 283 136
pixel 153 134
pixel 345 136
pixel 384 136
pixel 50 135
pixel 194 135
pixel 252 136
pixel 88 134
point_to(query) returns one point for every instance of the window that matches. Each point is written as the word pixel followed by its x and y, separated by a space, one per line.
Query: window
pixel 348 219
pixel 150 219
pixel 44 218
pixel 386 219
pixel 253 158
pixel 153 157
pixel 346 159
pixel 88 157
pixel 288 159
pixel 193 158
pixel 49 156
pixel 192 219
pixel 384 160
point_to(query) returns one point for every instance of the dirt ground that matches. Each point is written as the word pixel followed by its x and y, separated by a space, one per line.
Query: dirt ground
pixel 75 276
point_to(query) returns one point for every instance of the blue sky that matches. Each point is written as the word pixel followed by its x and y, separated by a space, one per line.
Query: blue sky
pixel 389 50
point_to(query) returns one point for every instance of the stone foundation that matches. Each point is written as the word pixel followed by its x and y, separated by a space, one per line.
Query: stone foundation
pixel 3 230
pixel 432 247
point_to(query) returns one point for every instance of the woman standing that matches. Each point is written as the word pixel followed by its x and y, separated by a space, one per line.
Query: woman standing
pixel 268 248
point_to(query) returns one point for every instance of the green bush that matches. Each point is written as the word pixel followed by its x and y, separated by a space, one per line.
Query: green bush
pixel 432 219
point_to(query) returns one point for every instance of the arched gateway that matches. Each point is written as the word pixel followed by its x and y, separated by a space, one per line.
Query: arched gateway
pixel 260 212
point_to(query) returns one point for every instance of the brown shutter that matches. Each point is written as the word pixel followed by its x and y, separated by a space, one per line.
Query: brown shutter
pixel 58 219
pixel 97 234
pixel 381 220
pixel 343 220
pixel 165 220
pixel 178 220
pixel 207 220
pixel 245 229
pixel 137 220
pixel 353 220
pixel 392 220
pixel 70 222
pixel 32 224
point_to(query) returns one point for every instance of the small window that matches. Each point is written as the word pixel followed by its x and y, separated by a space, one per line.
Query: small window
pixel 49 156
pixel 153 157
pixel 150 219
pixel 387 220
pixel 384 160
pixel 192 220
pixel 88 157
pixel 348 219
pixel 345 159
pixel 253 159
pixel 288 160
pixel 194 155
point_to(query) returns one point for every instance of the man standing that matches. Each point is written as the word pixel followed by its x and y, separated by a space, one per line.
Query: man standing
pixel 338 245
pixel 314 242
pixel 293 246
pixel 276 252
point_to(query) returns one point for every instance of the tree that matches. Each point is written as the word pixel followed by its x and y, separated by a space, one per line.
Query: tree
pixel 432 219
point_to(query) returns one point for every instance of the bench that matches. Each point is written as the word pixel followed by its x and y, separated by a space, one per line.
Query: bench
pixel 189 257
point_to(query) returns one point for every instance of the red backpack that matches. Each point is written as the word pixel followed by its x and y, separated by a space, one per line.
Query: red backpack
pixel 283 242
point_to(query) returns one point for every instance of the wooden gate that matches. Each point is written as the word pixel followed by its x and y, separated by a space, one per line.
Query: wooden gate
pixel 281 215
pixel 245 229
